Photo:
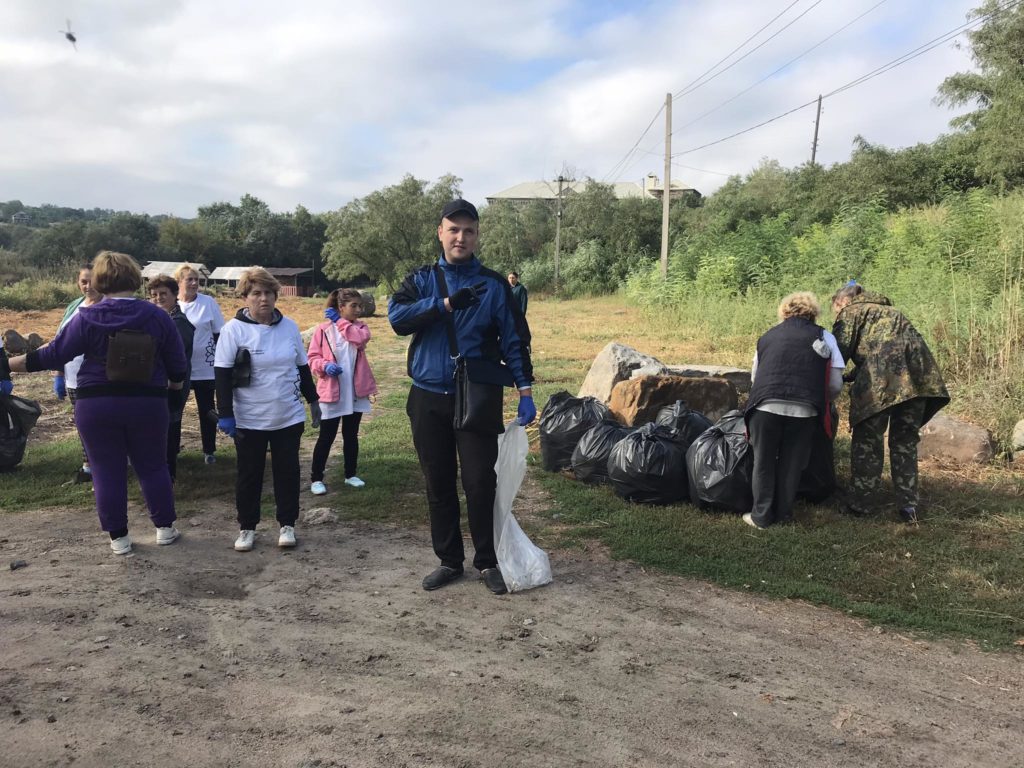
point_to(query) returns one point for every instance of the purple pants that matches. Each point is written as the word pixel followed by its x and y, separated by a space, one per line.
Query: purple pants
pixel 114 430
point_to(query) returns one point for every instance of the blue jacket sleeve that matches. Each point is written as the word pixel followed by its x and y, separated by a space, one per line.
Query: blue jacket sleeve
pixel 515 338
pixel 414 306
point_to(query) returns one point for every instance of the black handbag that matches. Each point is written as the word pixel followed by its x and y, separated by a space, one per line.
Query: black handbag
pixel 479 383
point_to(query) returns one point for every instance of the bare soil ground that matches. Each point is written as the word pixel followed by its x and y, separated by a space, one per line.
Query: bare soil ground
pixel 332 655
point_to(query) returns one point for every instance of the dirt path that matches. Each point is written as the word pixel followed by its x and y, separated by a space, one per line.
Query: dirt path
pixel 333 656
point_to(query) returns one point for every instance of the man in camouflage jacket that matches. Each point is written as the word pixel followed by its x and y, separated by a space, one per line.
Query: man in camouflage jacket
pixel 896 384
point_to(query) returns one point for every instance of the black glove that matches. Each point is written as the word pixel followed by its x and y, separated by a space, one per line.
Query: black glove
pixel 464 298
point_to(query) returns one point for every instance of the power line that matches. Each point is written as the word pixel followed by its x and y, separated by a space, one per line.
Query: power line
pixel 701 170
pixel 734 50
pixel 620 165
pixel 775 72
pixel 686 92
pixel 899 61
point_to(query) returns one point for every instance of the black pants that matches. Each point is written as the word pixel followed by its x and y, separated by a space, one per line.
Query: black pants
pixel 437 445
pixel 251 447
pixel 349 444
pixel 204 402
pixel 173 444
pixel 782 447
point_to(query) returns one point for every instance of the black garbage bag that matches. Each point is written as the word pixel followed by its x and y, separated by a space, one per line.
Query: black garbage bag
pixel 590 458
pixel 17 417
pixel 720 466
pixel 564 420
pixel 649 466
pixel 689 423
pixel 818 480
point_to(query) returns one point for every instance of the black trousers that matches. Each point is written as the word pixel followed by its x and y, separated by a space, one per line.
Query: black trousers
pixel 349 444
pixel 442 450
pixel 251 447
pixel 782 448
pixel 173 444
pixel 204 402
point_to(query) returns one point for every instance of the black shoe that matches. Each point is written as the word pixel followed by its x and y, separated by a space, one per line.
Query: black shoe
pixel 81 476
pixel 853 509
pixel 908 514
pixel 441 576
pixel 493 579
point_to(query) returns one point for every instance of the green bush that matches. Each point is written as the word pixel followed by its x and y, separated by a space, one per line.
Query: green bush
pixel 37 294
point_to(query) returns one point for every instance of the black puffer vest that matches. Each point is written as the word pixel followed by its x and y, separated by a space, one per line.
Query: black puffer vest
pixel 788 368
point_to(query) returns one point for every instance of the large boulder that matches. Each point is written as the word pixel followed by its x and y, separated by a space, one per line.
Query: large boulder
pixel 637 401
pixel 16 344
pixel 1018 436
pixel 307 335
pixel 613 364
pixel 369 304
pixel 947 438
pixel 739 377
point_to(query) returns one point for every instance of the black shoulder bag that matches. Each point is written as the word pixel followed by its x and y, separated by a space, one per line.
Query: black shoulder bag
pixel 479 383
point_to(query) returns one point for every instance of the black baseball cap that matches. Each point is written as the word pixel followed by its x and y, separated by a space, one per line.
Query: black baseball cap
pixel 460 206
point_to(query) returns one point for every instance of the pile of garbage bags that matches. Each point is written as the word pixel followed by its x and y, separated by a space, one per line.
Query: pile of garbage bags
pixel 680 456
pixel 17 418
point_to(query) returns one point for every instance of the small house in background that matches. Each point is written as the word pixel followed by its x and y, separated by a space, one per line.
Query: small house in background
pixel 295 281
pixel 548 191
pixel 157 268
pixel 21 217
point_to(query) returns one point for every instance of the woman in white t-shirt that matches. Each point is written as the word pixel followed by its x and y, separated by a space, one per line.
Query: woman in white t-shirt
pixel 66 381
pixel 261 371
pixel 337 355
pixel 205 315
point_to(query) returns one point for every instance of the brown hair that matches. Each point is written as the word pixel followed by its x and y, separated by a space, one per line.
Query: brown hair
pixel 340 296
pixel 847 292
pixel 258 277
pixel 115 272
pixel 163 281
pixel 800 304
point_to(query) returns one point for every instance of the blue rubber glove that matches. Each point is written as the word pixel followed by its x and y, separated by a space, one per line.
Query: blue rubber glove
pixel 332 314
pixel 332 369
pixel 527 410
pixel 59 389
pixel 226 424
pixel 6 387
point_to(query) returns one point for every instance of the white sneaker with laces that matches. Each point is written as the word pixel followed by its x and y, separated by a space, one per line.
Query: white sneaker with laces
pixel 121 546
pixel 355 482
pixel 287 537
pixel 318 488
pixel 167 535
pixel 245 541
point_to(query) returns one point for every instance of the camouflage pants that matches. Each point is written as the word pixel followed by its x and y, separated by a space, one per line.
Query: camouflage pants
pixel 867 452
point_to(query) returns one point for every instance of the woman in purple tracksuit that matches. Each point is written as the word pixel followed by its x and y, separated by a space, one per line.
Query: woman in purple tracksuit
pixel 121 420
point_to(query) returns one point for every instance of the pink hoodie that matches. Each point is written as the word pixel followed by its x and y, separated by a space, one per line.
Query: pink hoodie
pixel 321 352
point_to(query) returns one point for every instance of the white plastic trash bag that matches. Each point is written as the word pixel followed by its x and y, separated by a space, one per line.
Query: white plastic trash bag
pixel 523 564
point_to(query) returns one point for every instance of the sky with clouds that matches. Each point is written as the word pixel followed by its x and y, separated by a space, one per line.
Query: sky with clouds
pixel 171 104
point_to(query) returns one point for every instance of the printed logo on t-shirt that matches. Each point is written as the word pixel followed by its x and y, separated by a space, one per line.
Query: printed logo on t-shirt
pixel 211 351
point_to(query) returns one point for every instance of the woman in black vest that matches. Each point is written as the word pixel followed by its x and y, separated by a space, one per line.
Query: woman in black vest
pixel 797 371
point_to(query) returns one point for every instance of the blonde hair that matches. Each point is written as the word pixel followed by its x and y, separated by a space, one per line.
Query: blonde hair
pixel 800 304
pixel 179 273
pixel 114 272
pixel 258 277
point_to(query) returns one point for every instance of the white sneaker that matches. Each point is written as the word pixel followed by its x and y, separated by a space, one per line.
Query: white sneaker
pixel 287 537
pixel 318 488
pixel 355 482
pixel 245 541
pixel 121 546
pixel 167 535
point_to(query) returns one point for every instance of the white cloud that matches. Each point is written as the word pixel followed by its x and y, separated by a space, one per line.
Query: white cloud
pixel 170 105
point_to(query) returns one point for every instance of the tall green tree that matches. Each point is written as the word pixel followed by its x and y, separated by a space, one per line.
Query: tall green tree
pixel 387 233
pixel 995 90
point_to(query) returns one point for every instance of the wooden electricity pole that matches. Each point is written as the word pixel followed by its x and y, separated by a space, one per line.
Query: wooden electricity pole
pixel 814 144
pixel 666 186
pixel 558 229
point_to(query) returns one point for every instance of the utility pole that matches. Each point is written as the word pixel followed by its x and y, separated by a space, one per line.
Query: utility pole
pixel 814 144
pixel 558 229
pixel 666 186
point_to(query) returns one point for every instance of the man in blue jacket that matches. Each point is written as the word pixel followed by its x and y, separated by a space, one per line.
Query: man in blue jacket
pixel 488 324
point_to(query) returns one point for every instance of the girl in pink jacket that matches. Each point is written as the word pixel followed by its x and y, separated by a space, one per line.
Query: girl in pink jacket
pixel 337 355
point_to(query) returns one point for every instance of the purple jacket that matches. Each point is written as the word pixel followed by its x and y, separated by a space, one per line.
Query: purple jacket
pixel 87 333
